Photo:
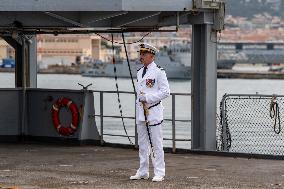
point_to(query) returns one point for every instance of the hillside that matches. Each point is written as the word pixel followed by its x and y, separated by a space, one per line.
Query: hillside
pixel 248 8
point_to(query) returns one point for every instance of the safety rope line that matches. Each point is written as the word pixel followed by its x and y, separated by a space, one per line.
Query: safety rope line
pixel 275 114
pixel 116 85
pixel 129 68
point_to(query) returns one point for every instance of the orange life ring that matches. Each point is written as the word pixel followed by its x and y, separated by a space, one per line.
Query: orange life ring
pixel 65 131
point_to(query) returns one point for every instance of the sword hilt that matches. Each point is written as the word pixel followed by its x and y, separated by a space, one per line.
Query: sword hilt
pixel 146 110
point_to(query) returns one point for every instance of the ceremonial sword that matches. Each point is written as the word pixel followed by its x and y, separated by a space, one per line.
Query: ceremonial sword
pixel 146 113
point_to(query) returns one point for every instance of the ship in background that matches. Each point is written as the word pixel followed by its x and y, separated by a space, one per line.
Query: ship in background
pixel 174 65
pixel 175 59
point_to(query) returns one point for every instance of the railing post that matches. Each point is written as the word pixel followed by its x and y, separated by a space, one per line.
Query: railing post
pixel 173 123
pixel 102 116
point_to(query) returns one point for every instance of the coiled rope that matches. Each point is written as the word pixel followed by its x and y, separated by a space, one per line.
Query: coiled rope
pixel 275 114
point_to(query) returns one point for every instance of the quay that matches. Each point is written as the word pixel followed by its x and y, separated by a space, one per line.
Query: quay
pixel 249 74
pixel 31 166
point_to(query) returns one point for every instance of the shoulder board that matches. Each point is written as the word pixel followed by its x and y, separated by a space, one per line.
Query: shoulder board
pixel 160 67
pixel 139 69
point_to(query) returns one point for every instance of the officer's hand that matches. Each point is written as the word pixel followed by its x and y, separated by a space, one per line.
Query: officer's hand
pixel 142 98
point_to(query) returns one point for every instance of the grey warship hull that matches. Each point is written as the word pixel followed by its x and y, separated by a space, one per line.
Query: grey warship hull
pixel 174 70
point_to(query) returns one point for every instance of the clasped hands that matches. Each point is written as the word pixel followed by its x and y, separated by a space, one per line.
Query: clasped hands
pixel 142 97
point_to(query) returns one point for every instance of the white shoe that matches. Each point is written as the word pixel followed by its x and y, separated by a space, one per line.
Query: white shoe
pixel 138 177
pixel 158 178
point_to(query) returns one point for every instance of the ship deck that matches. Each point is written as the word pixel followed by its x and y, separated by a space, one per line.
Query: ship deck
pixel 49 166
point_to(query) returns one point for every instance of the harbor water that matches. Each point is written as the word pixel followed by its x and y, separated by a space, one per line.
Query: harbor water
pixel 183 112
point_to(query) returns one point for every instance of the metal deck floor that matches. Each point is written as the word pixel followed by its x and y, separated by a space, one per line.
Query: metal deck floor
pixel 50 166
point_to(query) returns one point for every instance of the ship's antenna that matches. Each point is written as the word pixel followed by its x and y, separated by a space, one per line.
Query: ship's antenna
pixel 116 85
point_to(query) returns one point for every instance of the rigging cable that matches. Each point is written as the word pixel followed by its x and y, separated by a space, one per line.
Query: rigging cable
pixel 116 84
pixel 122 42
pixel 129 68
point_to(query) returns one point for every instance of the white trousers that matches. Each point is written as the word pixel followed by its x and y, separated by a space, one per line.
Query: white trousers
pixel 145 149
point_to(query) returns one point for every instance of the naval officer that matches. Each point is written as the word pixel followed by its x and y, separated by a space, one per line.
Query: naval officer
pixel 152 87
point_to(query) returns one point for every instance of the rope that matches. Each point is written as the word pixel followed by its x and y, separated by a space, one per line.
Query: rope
pixel 138 41
pixel 275 114
pixel 125 49
pixel 116 85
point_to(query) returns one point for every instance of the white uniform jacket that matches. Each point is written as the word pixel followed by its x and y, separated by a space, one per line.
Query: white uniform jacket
pixel 155 86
